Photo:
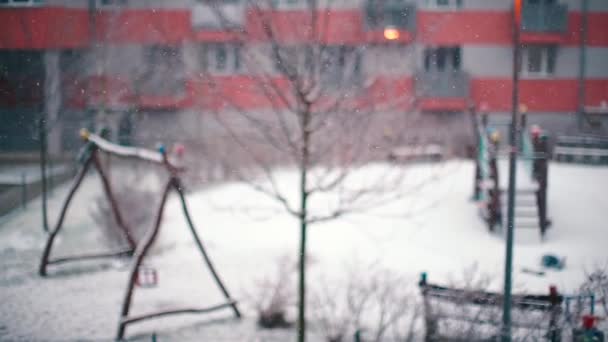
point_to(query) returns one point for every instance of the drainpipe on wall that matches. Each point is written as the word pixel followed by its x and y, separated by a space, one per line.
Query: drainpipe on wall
pixel 582 67
pixel 92 47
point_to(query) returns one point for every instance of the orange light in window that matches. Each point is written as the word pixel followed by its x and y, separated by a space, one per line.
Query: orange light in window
pixel 391 33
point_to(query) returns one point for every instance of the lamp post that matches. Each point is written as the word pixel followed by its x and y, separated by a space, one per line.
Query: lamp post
pixel 506 313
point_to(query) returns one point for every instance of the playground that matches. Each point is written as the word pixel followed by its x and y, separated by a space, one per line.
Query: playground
pixel 437 229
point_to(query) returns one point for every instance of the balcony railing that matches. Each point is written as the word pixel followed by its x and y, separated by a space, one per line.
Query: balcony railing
pixel 442 84
pixel 381 14
pixel 544 18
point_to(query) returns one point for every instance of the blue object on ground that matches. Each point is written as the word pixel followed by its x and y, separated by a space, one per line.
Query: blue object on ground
pixel 553 261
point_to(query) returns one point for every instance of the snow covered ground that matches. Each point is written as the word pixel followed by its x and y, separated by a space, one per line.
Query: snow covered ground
pixel 30 173
pixel 436 229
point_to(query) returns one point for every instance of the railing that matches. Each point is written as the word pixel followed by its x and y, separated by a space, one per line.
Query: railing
pixel 442 84
pixel 545 18
pixel 381 14
pixel 437 300
pixel 581 149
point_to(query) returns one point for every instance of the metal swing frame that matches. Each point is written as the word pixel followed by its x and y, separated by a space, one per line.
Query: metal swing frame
pixel 143 248
pixel 89 154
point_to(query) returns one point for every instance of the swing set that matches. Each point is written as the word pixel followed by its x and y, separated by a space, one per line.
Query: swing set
pixel 139 274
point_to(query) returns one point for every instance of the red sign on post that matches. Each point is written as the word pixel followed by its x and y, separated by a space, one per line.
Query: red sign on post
pixel 146 277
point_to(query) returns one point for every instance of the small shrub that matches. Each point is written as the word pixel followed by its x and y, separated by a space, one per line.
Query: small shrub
pixel 275 295
pixel 135 206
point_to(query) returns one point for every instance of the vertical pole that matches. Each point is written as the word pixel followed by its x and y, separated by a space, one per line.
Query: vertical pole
pixel 506 312
pixel 49 177
pixel 23 190
pixel 305 123
pixel 523 122
pixel 582 66
pixel 543 175
pixel 476 185
pixel 495 209
pixel 477 147
pixel 556 308
pixel 42 138
pixel 429 321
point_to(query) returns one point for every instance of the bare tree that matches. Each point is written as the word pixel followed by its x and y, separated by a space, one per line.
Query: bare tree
pixel 371 301
pixel 322 115
pixel 596 283
pixel 273 295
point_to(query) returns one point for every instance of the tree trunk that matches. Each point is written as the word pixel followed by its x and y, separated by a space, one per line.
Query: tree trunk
pixel 303 226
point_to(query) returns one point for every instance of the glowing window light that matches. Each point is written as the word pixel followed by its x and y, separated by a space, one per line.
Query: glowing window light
pixel 391 33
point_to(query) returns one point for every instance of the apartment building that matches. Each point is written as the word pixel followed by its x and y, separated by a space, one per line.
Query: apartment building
pixel 142 62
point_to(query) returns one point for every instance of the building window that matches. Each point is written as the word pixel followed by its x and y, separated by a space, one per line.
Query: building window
pixel 539 60
pixel 442 4
pixel 223 58
pixel 380 14
pixel 236 48
pixel 218 15
pixel 220 1
pixel 340 66
pixel 113 2
pixel 442 58
pixel 18 3
pixel 279 3
pixel 164 70
pixel 539 2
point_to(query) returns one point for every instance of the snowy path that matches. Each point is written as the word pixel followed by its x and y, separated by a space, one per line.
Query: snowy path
pixel 437 231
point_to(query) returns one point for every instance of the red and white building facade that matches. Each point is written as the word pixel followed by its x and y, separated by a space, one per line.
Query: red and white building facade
pixel 88 51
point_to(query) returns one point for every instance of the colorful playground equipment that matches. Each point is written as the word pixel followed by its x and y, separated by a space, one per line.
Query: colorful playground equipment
pixel 139 274
pixel 531 191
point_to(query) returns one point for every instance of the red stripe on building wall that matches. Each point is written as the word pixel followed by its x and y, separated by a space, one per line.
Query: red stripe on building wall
pixel 57 27
pixel 596 92
pixel 597 29
pixel 537 95
pixel 236 92
pixel 449 104
pixel 43 28
pixel 487 27
pixel 216 36
pixel 466 27
pixel 146 26
pixel 332 27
